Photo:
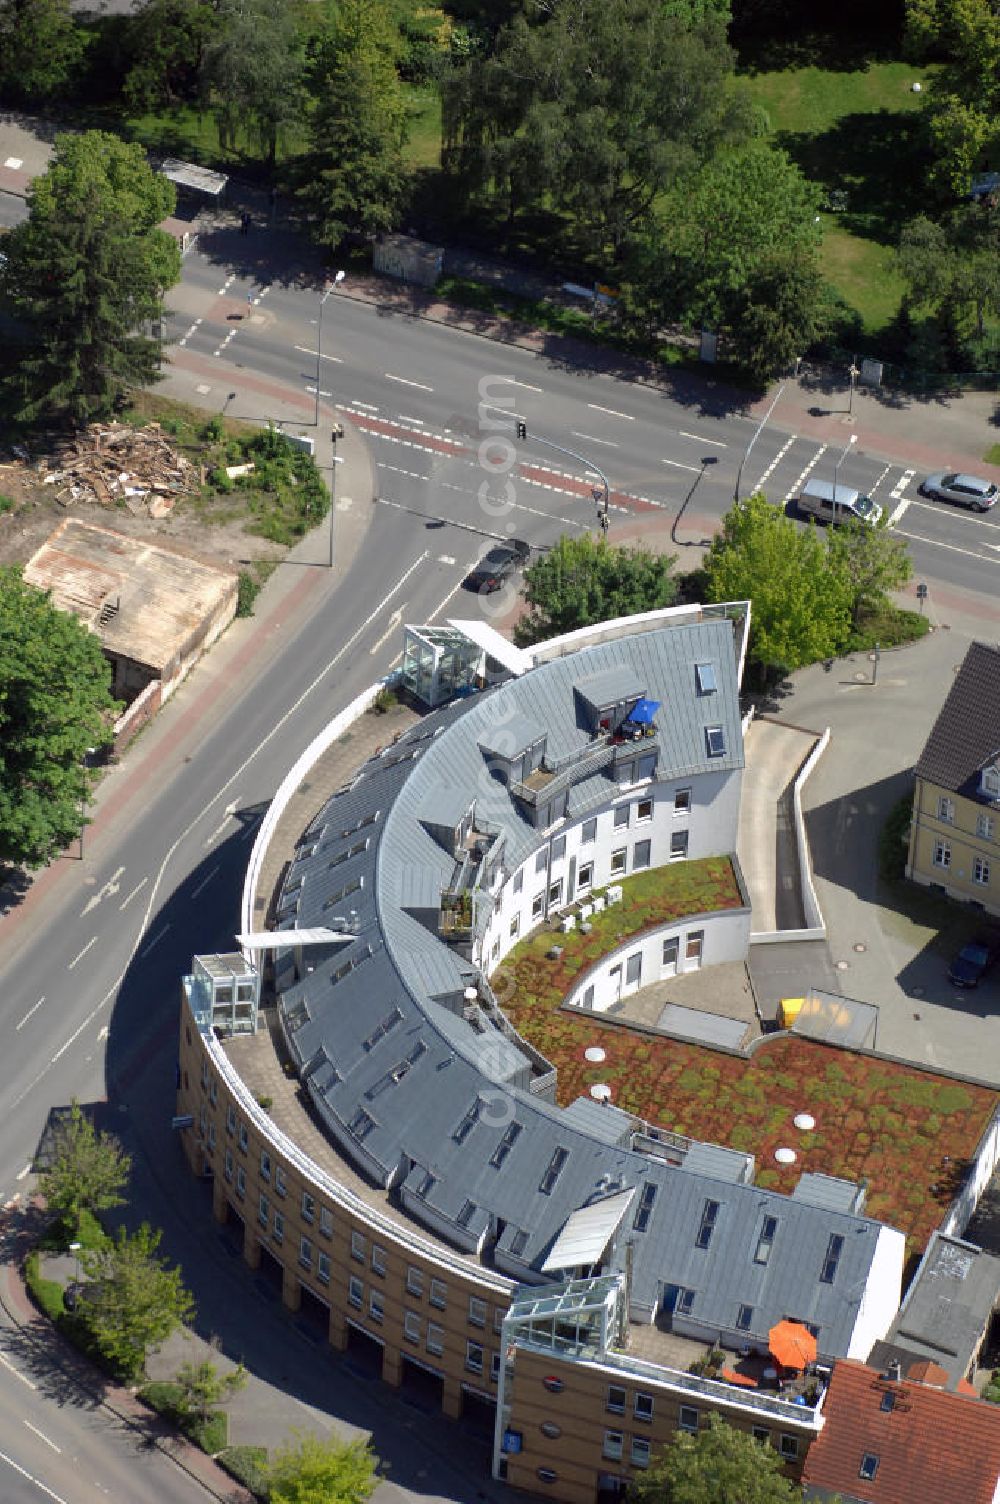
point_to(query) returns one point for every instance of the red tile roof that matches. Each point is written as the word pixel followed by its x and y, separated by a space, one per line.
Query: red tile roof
pixel 930 1445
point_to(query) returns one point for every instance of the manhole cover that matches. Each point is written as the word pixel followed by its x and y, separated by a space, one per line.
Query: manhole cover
pixel 843 965
pixel 861 947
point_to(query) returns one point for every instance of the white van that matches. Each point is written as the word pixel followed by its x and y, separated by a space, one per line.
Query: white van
pixel 819 499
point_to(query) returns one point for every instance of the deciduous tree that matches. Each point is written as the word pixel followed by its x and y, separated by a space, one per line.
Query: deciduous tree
pixel 252 71
pixel 55 705
pixel 314 1470
pixel 718 1466
pixel 88 1170
pixel 84 273
pixel 871 560
pixel 203 1388
pixel 167 41
pixel 41 49
pixel 132 1300
pixel 801 609
pixel 583 580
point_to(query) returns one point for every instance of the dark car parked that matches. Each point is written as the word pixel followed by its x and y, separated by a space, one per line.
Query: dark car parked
pixel 975 959
pixel 496 567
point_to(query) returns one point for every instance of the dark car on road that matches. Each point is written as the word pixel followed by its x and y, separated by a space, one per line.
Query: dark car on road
pixel 496 567
pixel 975 959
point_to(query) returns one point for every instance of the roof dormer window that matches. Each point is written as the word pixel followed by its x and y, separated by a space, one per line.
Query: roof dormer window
pixel 704 674
pixel 989 782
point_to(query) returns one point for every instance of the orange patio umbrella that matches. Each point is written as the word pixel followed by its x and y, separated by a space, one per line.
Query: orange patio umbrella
pixel 791 1344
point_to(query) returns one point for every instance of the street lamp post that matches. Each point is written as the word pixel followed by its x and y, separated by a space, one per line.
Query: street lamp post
pixel 338 433
pixel 754 437
pixel 853 373
pixel 319 336
pixel 836 469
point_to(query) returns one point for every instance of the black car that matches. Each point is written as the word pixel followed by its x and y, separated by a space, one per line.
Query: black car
pixel 497 566
pixel 975 959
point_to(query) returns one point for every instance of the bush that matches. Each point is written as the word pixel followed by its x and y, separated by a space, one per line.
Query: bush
pixel 211 1434
pixel 248 1465
pixel 166 1398
pixel 46 1293
pixel 246 594
pixel 384 701
pixel 888 625
pixel 6 502
pixel 892 843
pixel 213 431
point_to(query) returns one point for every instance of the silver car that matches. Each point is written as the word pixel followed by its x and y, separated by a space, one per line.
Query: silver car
pixel 967 490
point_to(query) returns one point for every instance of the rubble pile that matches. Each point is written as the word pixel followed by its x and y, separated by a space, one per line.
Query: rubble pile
pixel 111 463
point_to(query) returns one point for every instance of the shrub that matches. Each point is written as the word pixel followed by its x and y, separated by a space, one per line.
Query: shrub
pixel 213 430
pixel 248 1465
pixel 46 1293
pixel 6 502
pixel 384 701
pixel 247 590
pixel 892 844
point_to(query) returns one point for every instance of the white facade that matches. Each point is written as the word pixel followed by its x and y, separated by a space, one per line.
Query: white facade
pixel 879 1299
pixel 684 946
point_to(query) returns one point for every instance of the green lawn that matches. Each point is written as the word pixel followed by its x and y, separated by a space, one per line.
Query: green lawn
pixel 423 146
pixel 862 271
pixel 811 100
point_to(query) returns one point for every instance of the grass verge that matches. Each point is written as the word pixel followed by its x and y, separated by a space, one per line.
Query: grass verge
pixel 248 1465
pixel 46 1293
pixel 992 455
pixel 888 626
pixel 210 1434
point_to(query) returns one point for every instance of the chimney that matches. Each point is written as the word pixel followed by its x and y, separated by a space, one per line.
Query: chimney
pixel 894 1373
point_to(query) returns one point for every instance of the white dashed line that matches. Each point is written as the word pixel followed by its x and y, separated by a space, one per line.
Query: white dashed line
pixel 365 405
pixel 30 1011
pixel 303 351
pixel 775 463
pixel 446 558
pixel 404 381
pixel 700 439
pixel 137 889
pixel 679 466
pixel 811 465
pixel 514 382
pixel 42 1436
pixel 204 882
pixel 592 438
pixel 612 412
pixel 155 941
pixel 403 419
pixel 90 942
pixel 16 1372
pixel 58 1498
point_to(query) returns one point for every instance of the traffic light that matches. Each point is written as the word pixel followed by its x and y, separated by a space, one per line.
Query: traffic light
pixel 522 429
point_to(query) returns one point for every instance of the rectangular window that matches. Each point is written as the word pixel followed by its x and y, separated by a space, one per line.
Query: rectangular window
pixel 555 894
pixel 869 1466
pixel 498 1316
pixel 588 831
pixel 279 1227
pixel 414 1280
pixel 376 1306
pixel 203 1120
pixel 693 943
pixel 715 741
pixel 511 1134
pixel 439 1294
pixel 704 674
pixel 213 1091
pixel 642 1407
pixel 671 950
pixel 263 1210
pixel 228 1171
pixel 308 1207
pixel 537 905
pixel 548 1180
pixel 435 1339
pixel 518 881
pixel 211 1136
pixel 323 1268
pixel 204 1075
pixel 834 1249
pixel 541 860
pixel 355 1292
pixel 474 1357
pixel 641 855
pixel 280 1183
pixel 644 810
pixel 946 810
pixel 519 1243
pixel 633 968
pixel 494 1368
pixel 584 877
pixel 230 1119
pixel 682 801
pixel 305 1253
pixel 467 1123
pixel 411 1326
pixel 618 862
pixel 621 816
pixel 744 1317
pixel 426 1185
pixel 326 1222
pixel 761 1434
pixel 685 1301
pixel 466 1213
pixel 241 1181
pixel 558 848
pixel 615 1402
pixel 678 845
pixel 477 1311
pixel 358 1247
pixel 640 1451
pixel 644 1210
pixel 243 1137
pixel 515 926
pixel 981 871
pixel 942 854
pixel 378 1260
pixel 614 1442
pixel 790 1448
pixel 984 827
pixel 709 1212
pixel 768 1228
pixel 688 1418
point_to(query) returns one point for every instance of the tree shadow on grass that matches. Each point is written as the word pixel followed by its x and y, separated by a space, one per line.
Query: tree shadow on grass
pixel 877 159
pixel 846 48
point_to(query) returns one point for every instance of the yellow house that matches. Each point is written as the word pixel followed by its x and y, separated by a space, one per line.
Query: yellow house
pixel 955 835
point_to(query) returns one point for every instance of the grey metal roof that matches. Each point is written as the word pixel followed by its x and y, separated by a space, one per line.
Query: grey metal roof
pixel 966 734
pixel 512 736
pixel 411 1088
pixel 611 685
pixel 948 1307
pixel 830 1191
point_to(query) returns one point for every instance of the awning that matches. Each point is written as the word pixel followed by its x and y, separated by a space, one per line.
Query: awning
pixel 587 1232
pixel 289 939
pixel 643 711
pixel 494 644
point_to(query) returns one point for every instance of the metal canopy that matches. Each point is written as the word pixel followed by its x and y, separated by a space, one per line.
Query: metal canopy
pixel 283 939
pixel 587 1233
pixel 516 660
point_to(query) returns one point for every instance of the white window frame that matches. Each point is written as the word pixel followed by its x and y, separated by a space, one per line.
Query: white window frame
pixel 359 1246
pixel 538 906
pixel 241 1181
pixel 228 1166
pixel 355 1292
pixel 613 1446
pixel 619 862
pixel 942 855
pixel 323 1267
pixel 981 871
pixel 647 805
pixel 280 1181
pixel 679 853
pixel 308 1207
pixel 984 827
pixel 263 1210
pixel 414 1280
pixel 514 928
pixel 434 1340
pixel 789 1447
pixel 278 1227
pixel 642 1406
pixel 378 1260
pixel 474 1363
pixel 640 1450
pixel 243 1137
pixel 477 1311
pixel 265 1165
pixel 615 1406
pixel 682 801
pixel 620 823
pixel 438 1296
pixel 376 1306
pixel 325 1222
pixel 684 1419
pixel 411 1327
pixel 585 883
pixel 946 809
pixel 305 1252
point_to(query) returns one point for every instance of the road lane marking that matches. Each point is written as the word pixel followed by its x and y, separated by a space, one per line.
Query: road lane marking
pixel 953 548
pixel 57 1498
pixel 17 1373
pixel 679 466
pixel 367 406
pixel 775 462
pixel 275 731
pixel 593 439
pixel 42 1436
pixel 700 439
pixel 612 412
pixel 404 381
pixel 303 351
pixel 881 478
pixel 90 942
pixel 514 382
pixel 155 941
pixel 812 463
pixel 137 889
pixel 404 419
pixel 23 1174
pixel 107 891
pixel 395 622
pixel 30 1011
pixel 205 882
pixel 895 516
